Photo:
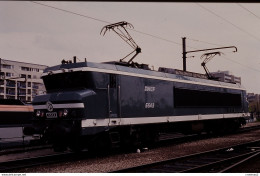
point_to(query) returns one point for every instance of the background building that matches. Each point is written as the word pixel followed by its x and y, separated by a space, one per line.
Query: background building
pixel 254 105
pixel 226 76
pixel 251 97
pixel 20 80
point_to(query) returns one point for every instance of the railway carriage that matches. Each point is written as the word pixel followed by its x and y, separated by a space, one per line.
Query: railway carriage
pixel 14 116
pixel 109 104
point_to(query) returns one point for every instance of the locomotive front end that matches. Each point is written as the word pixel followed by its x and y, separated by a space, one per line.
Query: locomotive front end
pixel 59 113
pixel 57 117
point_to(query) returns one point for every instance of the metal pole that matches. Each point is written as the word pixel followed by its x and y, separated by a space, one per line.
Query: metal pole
pixel 257 106
pixel 184 53
pixel 213 49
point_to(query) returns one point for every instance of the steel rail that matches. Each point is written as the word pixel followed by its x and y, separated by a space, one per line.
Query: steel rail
pixel 56 158
pixel 12 165
pixel 23 149
pixel 193 162
pixel 240 162
pixel 216 166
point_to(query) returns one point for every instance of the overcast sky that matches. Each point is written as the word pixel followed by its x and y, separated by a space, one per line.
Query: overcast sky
pixel 31 32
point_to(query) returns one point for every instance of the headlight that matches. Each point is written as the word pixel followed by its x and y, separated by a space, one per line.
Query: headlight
pixel 38 113
pixel 60 114
pixel 65 112
pixel 42 113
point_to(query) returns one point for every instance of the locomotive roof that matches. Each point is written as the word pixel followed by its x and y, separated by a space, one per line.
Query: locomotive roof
pixel 124 70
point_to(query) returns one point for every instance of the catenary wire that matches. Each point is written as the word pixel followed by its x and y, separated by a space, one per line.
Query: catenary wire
pixel 67 11
pixel 157 37
pixel 196 40
pixel 103 21
pixel 244 65
pixel 248 10
pixel 210 11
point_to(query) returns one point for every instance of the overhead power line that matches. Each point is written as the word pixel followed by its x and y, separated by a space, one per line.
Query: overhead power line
pixel 67 11
pixel 160 38
pixel 103 21
pixel 210 11
pixel 154 36
pixel 244 65
pixel 196 40
pixel 248 10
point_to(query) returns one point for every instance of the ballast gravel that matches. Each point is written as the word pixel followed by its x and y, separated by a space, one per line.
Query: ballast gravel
pixel 114 162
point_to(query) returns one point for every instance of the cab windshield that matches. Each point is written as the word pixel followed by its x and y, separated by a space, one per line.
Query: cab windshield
pixel 69 80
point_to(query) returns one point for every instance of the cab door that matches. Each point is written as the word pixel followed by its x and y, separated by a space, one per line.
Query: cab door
pixel 114 100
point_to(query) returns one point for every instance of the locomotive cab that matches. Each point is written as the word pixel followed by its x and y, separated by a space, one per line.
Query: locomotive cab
pixel 59 120
pixel 72 97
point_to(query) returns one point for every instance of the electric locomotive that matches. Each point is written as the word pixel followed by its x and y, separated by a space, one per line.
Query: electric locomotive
pixel 122 104
pixel 92 103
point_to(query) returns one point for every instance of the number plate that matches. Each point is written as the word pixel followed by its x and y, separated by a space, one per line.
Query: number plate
pixel 51 114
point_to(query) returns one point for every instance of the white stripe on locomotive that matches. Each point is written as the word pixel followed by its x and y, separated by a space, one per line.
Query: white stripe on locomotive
pixel 145 76
pixel 59 106
pixel 160 119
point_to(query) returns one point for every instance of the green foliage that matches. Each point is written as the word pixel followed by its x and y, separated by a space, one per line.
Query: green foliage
pixel 254 106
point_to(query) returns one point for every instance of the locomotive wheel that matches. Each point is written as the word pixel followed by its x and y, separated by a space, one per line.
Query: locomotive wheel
pixel 100 144
pixel 76 146
pixel 149 136
pixel 59 144
pixel 59 148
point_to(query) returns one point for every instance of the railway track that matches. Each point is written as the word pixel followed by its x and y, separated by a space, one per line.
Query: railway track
pixel 8 166
pixel 219 160
pixel 175 138
pixel 240 163
pixel 250 128
pixel 24 149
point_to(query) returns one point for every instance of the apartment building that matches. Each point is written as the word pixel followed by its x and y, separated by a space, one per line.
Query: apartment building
pixel 251 97
pixel 226 76
pixel 20 80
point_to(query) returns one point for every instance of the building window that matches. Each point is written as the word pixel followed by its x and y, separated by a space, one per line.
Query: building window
pixel 29 99
pixel 22 75
pixel 25 68
pixel 29 76
pixel 21 84
pixel 35 69
pixel 1 90
pixel 9 74
pixel 7 66
pixel 35 86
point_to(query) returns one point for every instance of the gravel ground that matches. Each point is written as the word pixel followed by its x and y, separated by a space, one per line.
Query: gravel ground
pixel 248 167
pixel 28 154
pixel 120 161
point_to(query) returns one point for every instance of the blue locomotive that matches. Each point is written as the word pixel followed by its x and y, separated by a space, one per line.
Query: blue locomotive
pixel 109 104
pixel 122 104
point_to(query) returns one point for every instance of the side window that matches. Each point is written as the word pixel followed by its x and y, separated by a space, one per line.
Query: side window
pixel 112 81
pixel 198 98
